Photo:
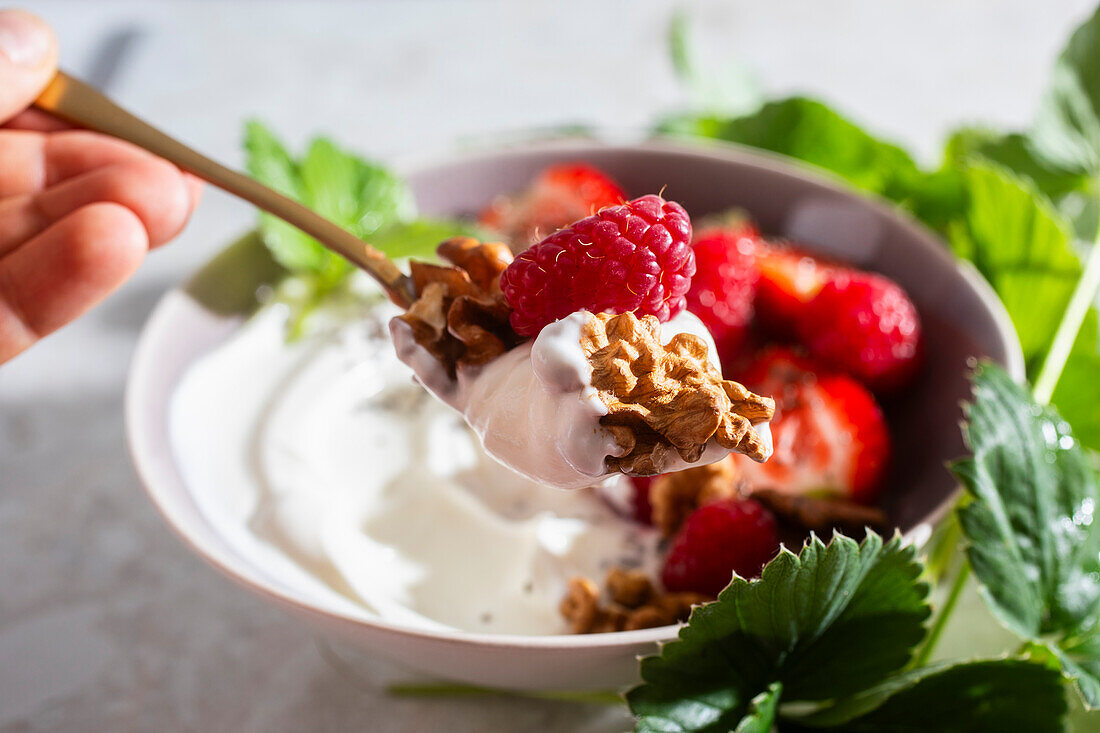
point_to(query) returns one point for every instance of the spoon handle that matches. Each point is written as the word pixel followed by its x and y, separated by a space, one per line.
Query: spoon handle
pixel 76 102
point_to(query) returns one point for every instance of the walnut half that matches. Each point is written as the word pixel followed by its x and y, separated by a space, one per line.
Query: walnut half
pixel 460 315
pixel 668 400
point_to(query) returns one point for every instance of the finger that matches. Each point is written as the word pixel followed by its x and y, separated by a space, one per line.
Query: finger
pixel 154 190
pixel 28 60
pixel 37 121
pixel 33 161
pixel 66 270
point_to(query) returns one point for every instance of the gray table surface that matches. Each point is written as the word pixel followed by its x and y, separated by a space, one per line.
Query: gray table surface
pixel 106 621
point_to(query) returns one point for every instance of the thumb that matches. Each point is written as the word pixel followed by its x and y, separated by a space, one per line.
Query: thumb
pixel 28 60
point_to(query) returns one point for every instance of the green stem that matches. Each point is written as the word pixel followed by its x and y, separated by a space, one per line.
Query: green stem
pixel 1066 335
pixel 944 615
pixel 446 689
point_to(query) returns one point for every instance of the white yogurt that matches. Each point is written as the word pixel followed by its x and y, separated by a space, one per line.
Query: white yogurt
pixel 322 463
pixel 535 408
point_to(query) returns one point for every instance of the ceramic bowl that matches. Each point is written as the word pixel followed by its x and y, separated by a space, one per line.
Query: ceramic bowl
pixel 962 319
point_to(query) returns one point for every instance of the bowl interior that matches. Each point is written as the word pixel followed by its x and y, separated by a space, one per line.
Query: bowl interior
pixel 962 319
pixel 961 316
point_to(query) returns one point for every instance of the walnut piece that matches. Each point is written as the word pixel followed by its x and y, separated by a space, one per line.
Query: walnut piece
pixel 635 604
pixel 630 588
pixel 820 513
pixel 460 315
pixel 668 400
pixel 674 496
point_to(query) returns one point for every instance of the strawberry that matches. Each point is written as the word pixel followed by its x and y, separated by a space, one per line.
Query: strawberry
pixel 789 279
pixel 724 286
pixel 829 434
pixel 866 325
pixel 717 540
pixel 560 195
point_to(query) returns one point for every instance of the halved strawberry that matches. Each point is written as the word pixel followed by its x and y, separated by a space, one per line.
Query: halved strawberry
pixel 789 279
pixel 866 325
pixel 559 196
pixel 724 286
pixel 829 434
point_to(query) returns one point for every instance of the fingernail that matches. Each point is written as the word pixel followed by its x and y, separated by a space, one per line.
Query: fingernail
pixel 23 39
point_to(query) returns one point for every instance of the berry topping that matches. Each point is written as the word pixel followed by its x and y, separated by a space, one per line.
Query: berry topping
pixel 724 285
pixel 865 325
pixel 717 540
pixel 635 257
pixel 641 509
pixel 561 194
pixel 789 279
pixel 828 433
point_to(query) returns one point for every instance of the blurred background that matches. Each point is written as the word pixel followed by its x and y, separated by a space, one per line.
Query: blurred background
pixel 106 621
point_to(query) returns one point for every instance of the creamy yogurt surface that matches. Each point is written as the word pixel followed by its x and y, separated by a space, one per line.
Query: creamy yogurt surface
pixel 326 465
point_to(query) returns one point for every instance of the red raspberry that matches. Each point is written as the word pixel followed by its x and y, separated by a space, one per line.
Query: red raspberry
pixel 829 434
pixel 634 257
pixel 724 286
pixel 717 540
pixel 865 325
pixel 559 195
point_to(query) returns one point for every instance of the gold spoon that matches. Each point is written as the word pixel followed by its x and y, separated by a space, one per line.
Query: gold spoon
pixel 74 101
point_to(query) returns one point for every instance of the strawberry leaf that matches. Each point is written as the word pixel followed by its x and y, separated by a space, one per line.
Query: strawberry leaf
pixel 761 715
pixel 1019 243
pixel 969 697
pixel 1032 539
pixel 810 131
pixel 824 623
pixel 1066 131
pixel 1077 395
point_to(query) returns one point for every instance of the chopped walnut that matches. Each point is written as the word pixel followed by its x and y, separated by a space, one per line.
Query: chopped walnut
pixel 580 605
pixel 676 495
pixel 460 315
pixel 668 400
pixel 630 588
pixel 820 513
pixel 635 604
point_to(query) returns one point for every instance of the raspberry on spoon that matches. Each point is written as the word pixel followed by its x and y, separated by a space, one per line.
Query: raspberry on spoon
pixel 635 257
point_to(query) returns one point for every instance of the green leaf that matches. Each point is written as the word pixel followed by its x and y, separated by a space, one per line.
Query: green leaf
pixel 810 131
pixel 827 622
pixel 1014 152
pixel 1071 191
pixel 732 90
pixel 1066 131
pixel 1077 395
pixel 762 709
pixel 680 48
pixel 1019 243
pixel 1032 540
pixel 360 196
pixel 969 697
pixel 419 238
pixel 270 164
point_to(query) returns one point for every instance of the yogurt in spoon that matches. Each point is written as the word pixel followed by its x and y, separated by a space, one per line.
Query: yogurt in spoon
pixel 535 408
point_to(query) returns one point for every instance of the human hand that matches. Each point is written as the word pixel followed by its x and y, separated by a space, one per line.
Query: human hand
pixel 78 210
